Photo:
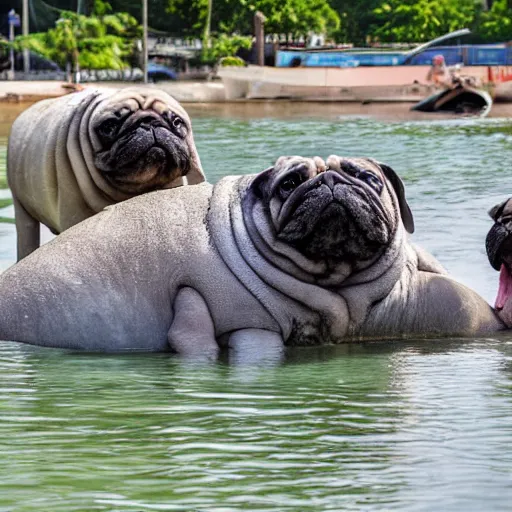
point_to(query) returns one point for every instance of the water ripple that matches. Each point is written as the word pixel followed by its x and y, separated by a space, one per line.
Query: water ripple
pixel 394 426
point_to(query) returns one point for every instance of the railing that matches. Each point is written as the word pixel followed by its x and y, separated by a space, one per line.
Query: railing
pixel 103 75
pixel 469 55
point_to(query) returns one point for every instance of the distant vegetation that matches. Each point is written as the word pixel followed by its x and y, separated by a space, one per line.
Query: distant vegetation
pixel 100 41
pixel 353 21
pixel 421 20
pixel 223 46
pixel 3 166
pixel 96 34
pixel 4 203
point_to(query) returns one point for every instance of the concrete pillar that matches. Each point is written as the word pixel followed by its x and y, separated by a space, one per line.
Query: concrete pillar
pixel 259 21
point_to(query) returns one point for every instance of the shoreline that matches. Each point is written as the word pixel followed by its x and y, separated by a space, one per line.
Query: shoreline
pixel 256 84
pixel 184 92
pixel 190 92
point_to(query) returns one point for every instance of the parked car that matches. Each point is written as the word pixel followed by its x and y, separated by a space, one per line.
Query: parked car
pixel 157 72
pixel 37 63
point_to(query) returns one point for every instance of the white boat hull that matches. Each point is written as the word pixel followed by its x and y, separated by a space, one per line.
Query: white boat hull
pixel 378 83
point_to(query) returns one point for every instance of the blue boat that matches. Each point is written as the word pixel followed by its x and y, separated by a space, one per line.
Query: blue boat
pixel 468 55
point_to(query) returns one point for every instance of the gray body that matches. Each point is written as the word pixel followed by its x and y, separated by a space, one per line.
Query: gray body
pixel 193 268
pixel 52 166
pixel 110 283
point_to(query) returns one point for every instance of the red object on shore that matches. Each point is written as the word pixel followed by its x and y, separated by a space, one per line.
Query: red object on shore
pixel 498 74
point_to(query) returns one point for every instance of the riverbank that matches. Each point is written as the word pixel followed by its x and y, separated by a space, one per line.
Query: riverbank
pixel 218 92
pixel 185 92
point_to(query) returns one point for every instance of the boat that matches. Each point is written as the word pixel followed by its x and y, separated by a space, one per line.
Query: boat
pixel 462 98
pixel 359 84
pixel 369 76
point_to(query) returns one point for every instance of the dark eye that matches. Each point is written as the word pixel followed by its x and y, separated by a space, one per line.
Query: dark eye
pixel 370 179
pixel 291 182
pixel 108 128
pixel 178 126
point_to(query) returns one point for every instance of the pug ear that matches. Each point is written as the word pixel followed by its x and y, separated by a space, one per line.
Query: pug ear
pixel 496 211
pixel 260 181
pixel 399 189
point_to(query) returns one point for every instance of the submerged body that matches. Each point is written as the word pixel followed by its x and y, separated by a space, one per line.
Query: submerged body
pixel 70 157
pixel 461 98
pixel 300 253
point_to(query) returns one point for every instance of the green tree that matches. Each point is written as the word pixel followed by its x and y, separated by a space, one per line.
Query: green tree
pixel 297 17
pixel 357 20
pixel 88 42
pixel 347 20
pixel 191 15
pixel 496 24
pixel 423 20
pixel 224 46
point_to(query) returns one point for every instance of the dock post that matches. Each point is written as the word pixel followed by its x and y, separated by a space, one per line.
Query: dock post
pixel 259 21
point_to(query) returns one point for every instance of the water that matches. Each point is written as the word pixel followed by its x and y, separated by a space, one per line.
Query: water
pixel 377 426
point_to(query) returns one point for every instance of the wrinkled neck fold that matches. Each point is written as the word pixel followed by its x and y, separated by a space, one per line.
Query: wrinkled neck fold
pixel 83 142
pixel 282 284
pixel 96 190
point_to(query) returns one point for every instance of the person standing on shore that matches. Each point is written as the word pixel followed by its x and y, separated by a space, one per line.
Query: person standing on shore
pixel 439 73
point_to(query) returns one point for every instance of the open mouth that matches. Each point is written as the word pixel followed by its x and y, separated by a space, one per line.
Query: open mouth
pixel 504 288
pixel 499 251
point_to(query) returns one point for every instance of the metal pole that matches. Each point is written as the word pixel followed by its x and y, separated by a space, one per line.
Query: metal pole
pixel 207 28
pixel 24 20
pixel 145 38
pixel 11 51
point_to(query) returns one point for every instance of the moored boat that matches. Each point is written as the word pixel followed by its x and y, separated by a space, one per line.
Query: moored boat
pixel 352 75
pixel 463 98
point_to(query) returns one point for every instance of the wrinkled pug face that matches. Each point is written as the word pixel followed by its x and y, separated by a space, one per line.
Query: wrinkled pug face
pixel 142 145
pixel 498 244
pixel 346 210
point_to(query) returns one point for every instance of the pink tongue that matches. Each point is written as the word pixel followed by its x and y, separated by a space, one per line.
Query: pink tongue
pixel 505 288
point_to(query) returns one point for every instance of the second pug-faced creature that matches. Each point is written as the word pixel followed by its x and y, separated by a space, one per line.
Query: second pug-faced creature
pixel 70 157
pixel 304 253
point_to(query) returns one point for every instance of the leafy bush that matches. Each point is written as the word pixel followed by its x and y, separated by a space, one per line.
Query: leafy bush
pixel 496 24
pixel 90 42
pixel 231 61
pixel 224 46
pixel 422 20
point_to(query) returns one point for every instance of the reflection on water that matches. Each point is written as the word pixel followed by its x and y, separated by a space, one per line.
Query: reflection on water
pixel 411 426
pixel 403 426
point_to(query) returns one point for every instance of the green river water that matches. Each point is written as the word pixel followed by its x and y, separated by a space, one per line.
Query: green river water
pixel 417 425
